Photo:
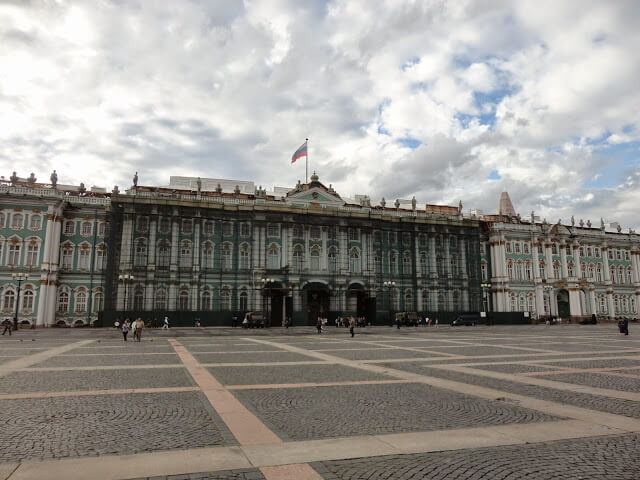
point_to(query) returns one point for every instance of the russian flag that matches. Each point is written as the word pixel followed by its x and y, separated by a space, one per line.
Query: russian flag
pixel 300 152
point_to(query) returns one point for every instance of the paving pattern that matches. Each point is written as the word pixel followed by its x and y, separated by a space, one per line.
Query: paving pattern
pixel 595 458
pixel 226 403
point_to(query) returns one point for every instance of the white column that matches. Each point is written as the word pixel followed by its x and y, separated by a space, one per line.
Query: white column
pixel 255 246
pixel 342 235
pixel 432 256
pixel 611 303
pixel 284 235
pixel 635 265
pixel 592 300
pixel 540 299
pixel 152 242
pixel 575 307
pixel 463 260
pixel 447 257
pixel 125 243
pixel 175 243
pixel 605 260
pixel 576 260
pixel 563 260
pixel 549 260
pixel 196 243
pixel 536 263
pixel 45 317
pixel 364 254
pixel 307 256
pixel 324 265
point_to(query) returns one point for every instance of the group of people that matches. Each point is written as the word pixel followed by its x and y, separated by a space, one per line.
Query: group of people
pixel 340 321
pixel 623 325
pixel 127 326
pixel 8 326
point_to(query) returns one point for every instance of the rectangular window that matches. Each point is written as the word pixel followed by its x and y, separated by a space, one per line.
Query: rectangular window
pixel 99 260
pixel 32 256
pixel 14 255
pixel 508 247
pixel 101 228
pixel 517 247
pixel 87 227
pixel 331 233
pixel 315 233
pixel 165 225
pixel 245 229
pixel 143 224
pixel 227 229
pixel 67 258
pixel 69 228
pixel 540 251
pixel 209 227
pixel 377 236
pixel 406 239
pixel 353 235
pixel 554 249
pixel 187 226
pixel 83 259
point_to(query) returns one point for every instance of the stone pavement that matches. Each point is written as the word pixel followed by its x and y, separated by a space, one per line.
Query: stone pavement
pixel 531 402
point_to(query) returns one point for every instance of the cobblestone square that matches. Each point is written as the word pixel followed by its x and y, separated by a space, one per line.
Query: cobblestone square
pixel 566 404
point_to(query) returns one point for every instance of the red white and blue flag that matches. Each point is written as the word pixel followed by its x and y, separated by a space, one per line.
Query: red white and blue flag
pixel 299 153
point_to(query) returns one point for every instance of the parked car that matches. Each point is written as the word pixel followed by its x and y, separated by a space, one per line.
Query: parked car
pixel 253 320
pixel 407 319
pixel 467 319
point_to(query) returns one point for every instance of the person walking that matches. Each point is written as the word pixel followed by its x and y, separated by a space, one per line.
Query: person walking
pixel 7 326
pixel 125 329
pixel 165 326
pixel 352 324
pixel 139 324
pixel 319 325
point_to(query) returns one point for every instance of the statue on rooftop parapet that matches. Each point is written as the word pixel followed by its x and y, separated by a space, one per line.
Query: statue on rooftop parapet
pixel 413 203
pixel 135 180
pixel 199 185
pixel 383 202
pixel 588 223
pixel 219 188
pixel 54 179
pixel 82 189
pixel 397 204
pixel 116 190
pixel 573 221
pixel 32 178
pixel 13 178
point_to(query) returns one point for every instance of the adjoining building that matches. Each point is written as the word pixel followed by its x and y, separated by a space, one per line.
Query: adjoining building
pixel 568 271
pixel 52 252
pixel 213 249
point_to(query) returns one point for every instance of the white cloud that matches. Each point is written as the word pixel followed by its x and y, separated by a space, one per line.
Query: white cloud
pixel 100 89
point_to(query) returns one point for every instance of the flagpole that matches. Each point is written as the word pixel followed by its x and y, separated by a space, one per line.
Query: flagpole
pixel 306 163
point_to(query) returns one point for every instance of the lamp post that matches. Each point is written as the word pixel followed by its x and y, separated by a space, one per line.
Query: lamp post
pixel 486 287
pixel 265 286
pixel 125 279
pixel 18 277
pixel 389 285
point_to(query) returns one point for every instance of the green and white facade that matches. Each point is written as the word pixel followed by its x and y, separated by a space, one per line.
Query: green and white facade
pixel 57 238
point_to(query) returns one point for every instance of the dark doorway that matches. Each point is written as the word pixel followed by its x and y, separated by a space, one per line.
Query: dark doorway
pixel 277 308
pixel 564 309
pixel 317 305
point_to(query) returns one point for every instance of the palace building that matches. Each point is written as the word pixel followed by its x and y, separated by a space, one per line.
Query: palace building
pixel 212 250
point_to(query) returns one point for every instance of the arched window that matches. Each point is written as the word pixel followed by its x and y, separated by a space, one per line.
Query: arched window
pixel 542 270
pixel 66 262
pixel 161 299
pixel 591 271
pixel 616 304
pixel 354 260
pixel 632 302
pixel 243 303
pixel 244 256
pixel 9 300
pixel 612 272
pixel 629 276
pixel 599 273
pixel 16 220
pixel 186 256
pixel 621 275
pixel 27 301
pixel 227 256
pixel 225 299
pixel 570 270
pixel 315 258
pixel 207 255
pixel 426 301
pixel 424 265
pixel 393 263
pixel 527 269
pixel 138 299
pixel 442 304
pixel 298 258
pixel 556 270
pixel 531 304
pixel 183 300
pixel 602 304
pixel 522 303
pixel 98 301
pixel 510 269
pixel 102 227
pixel 140 257
pixel 525 248
pixel 583 269
pixel 35 222
pixel 164 254
pixel 63 302
pixel 624 304
pixel 513 305
pixel 408 301
pixel 395 299
pixel 519 274
pixel 273 256
pixel 332 256
pixel 377 261
pixel 406 263
pixel 81 302
pixel 206 300
pixel 440 265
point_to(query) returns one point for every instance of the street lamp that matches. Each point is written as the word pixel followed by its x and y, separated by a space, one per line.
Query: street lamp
pixel 18 277
pixel 486 286
pixel 265 286
pixel 125 279
pixel 389 285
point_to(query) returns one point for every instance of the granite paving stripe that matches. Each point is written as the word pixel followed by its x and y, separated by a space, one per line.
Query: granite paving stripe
pixel 268 374
pixel 513 368
pixel 38 357
pixel 250 357
pixel 381 353
pixel 98 367
pixel 311 385
pixel 247 428
pixel 55 381
pixel 98 360
pixel 79 393
pixel 296 471
pixel 598 363
pixel 602 382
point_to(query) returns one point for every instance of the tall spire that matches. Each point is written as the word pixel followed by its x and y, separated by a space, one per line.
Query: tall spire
pixel 505 207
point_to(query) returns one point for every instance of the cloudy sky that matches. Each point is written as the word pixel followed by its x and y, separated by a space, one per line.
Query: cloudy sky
pixel 438 99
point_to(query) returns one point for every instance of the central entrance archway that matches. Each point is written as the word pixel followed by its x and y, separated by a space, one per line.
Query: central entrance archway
pixel 317 297
pixel 564 309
